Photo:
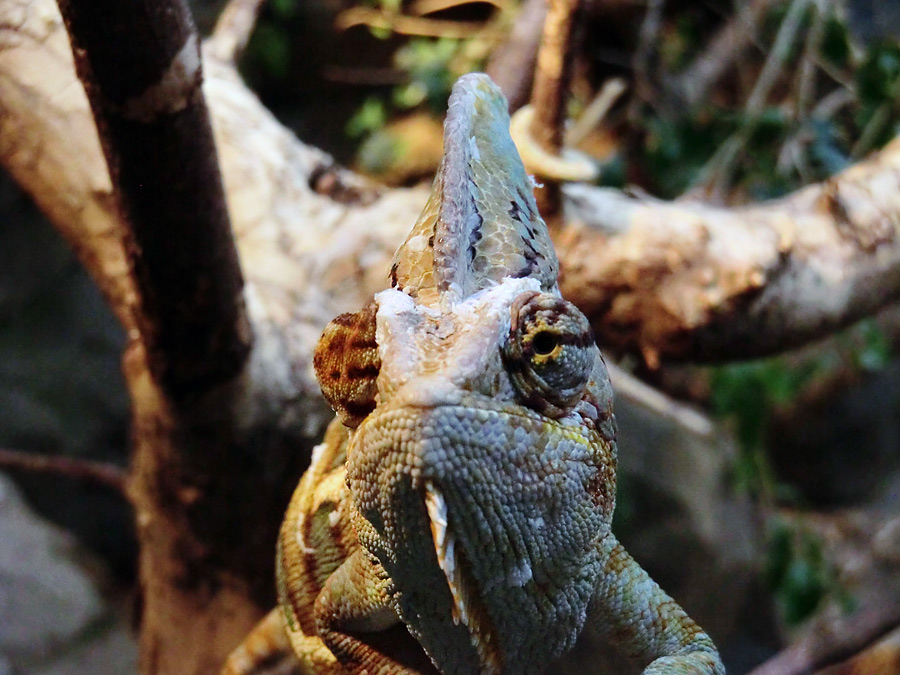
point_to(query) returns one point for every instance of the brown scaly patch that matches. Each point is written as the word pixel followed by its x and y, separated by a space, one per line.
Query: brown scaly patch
pixel 347 364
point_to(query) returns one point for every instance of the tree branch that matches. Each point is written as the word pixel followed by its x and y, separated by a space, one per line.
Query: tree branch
pixel 687 280
pixel 233 30
pixel 512 64
pixel 551 87
pixel 101 473
pixel 845 638
pixel 140 65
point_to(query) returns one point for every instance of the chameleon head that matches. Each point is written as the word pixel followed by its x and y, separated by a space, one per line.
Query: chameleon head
pixel 482 465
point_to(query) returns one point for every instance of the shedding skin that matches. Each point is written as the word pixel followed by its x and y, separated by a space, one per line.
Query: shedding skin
pixel 456 518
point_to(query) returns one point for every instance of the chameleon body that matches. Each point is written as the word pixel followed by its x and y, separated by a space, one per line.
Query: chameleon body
pixel 457 515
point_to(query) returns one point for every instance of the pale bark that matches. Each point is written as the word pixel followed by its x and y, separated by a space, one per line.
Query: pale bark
pixel 694 281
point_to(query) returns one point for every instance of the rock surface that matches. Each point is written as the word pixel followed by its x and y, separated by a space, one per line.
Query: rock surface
pixel 53 618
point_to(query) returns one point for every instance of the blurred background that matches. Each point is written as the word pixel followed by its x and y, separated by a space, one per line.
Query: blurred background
pixel 797 521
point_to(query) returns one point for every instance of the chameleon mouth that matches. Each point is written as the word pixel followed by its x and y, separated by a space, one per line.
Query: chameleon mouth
pixel 466 608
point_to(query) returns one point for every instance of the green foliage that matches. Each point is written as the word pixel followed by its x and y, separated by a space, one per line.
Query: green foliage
pixel 749 393
pixel 283 9
pixel 867 346
pixel 836 47
pixel 797 571
pixel 429 65
pixel 791 140
pixel 379 151
pixel 878 86
pixel 270 47
pixel 676 149
pixel 370 117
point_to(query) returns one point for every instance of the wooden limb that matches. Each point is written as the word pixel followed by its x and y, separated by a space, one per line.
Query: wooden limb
pixel 140 64
pixel 688 280
pixel 100 473
pixel 42 104
pixel 233 30
pixel 512 63
pixel 551 86
pixel 405 25
pixel 846 637
pixel 206 494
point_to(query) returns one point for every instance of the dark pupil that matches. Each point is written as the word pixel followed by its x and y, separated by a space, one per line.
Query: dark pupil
pixel 544 343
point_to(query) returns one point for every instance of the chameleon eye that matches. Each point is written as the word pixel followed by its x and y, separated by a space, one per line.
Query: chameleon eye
pixel 550 352
pixel 347 364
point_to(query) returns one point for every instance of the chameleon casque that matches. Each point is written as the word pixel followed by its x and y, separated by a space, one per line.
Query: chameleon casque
pixel 466 489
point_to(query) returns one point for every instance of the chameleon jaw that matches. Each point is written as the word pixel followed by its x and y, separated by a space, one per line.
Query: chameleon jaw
pixel 465 606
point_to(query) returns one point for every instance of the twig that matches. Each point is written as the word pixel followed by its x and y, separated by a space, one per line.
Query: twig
pixel 596 111
pixel 846 637
pixel 718 172
pixel 640 62
pixel 101 473
pixel 423 7
pixel 806 77
pixel 406 25
pixel 512 63
pixel 774 64
pixel 551 82
pixel 875 126
pixel 233 30
pixel 631 388
pixel 724 49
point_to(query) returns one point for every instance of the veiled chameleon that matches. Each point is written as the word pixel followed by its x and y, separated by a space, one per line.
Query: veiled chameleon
pixel 463 496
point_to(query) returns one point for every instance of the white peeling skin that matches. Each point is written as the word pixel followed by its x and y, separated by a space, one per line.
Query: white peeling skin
pixel 415 348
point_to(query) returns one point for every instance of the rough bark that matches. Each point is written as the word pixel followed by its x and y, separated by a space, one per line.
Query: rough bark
pixel 211 472
pixel 140 65
pixel 194 481
pixel 550 93
pixel 687 280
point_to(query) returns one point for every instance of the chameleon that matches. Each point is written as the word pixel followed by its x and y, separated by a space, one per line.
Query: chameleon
pixel 456 517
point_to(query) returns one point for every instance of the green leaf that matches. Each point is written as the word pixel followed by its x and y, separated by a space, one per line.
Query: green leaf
pixel 370 117
pixel 379 152
pixel 271 46
pixel 283 9
pixel 874 352
pixel 835 45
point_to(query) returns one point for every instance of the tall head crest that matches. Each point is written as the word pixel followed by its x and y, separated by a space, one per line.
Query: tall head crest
pixel 481 222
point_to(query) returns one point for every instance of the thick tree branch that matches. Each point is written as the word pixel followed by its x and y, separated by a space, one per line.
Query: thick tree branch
pixel 140 64
pixel 727 283
pixel 688 280
pixel 511 64
pixel 233 30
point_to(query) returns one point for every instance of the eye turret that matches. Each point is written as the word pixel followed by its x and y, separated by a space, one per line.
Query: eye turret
pixel 549 354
